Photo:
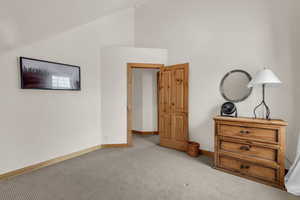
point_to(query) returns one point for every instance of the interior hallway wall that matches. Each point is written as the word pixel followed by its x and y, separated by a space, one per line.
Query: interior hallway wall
pixel 150 100
pixel 137 100
pixel 216 37
pixel 145 100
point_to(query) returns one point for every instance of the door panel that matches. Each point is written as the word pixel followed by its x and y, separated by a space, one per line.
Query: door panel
pixel 163 92
pixel 179 127
pixel 178 90
pixel 174 107
pixel 166 91
pixel 165 126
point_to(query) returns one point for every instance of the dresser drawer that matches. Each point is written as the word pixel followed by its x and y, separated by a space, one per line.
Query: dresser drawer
pixel 249 133
pixel 249 150
pixel 248 169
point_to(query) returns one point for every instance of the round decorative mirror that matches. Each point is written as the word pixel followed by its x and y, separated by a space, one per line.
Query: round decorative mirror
pixel 234 87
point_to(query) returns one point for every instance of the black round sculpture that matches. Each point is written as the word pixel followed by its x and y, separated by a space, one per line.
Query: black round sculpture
pixel 228 109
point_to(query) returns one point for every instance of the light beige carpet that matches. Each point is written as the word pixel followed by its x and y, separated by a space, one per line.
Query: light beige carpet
pixel 144 172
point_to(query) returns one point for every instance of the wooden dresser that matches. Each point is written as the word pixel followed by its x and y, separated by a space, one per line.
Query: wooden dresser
pixel 251 148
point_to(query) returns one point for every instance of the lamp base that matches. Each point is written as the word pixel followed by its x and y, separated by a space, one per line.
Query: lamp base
pixel 263 103
pixel 267 110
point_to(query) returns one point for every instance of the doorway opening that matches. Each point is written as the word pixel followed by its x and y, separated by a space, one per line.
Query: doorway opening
pixel 142 99
pixel 173 104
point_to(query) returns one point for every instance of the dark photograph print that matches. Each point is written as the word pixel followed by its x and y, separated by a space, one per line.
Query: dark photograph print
pixel 46 75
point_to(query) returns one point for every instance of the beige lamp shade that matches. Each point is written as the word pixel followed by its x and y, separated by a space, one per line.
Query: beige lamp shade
pixel 264 77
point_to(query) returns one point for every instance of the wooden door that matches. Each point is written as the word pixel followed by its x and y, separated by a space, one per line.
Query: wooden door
pixel 173 106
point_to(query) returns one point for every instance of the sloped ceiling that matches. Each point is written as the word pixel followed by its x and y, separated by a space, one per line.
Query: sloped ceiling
pixel 26 21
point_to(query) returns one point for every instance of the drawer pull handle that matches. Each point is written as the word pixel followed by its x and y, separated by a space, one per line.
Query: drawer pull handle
pixel 244 166
pixel 244 132
pixel 245 148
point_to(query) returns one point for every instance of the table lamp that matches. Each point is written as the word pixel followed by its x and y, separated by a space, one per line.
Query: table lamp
pixel 264 78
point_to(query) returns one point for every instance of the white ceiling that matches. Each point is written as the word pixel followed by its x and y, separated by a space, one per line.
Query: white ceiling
pixel 26 21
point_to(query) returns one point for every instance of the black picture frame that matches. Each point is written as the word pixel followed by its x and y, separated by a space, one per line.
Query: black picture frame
pixel 23 85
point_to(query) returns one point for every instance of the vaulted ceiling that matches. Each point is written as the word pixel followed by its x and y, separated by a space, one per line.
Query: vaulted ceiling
pixel 26 21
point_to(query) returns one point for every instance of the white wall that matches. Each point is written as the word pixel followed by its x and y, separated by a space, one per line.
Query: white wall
pixel 114 87
pixel 295 24
pixel 39 125
pixel 150 100
pixel 144 106
pixel 216 37
pixel 137 100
